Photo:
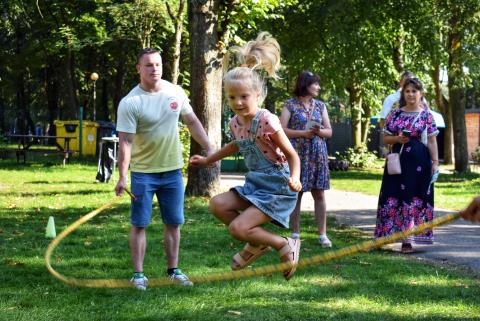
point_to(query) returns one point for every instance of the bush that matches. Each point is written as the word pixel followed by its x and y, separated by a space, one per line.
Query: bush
pixel 359 157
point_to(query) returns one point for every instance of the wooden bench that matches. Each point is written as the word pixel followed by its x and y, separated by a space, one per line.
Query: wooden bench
pixel 25 142
pixel 19 152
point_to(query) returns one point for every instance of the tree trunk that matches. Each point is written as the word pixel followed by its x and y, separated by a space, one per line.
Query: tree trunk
pixel 3 128
pixel 71 98
pixel 206 89
pixel 51 90
pixel 457 98
pixel 178 41
pixel 398 53
pixel 118 90
pixel 21 98
pixel 457 103
pixel 365 123
pixel 442 104
pixel 356 108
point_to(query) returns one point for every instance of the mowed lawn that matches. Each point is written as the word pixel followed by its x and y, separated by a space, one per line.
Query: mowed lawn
pixel 370 286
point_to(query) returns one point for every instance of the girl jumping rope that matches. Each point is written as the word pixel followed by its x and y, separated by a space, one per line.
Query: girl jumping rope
pixel 272 182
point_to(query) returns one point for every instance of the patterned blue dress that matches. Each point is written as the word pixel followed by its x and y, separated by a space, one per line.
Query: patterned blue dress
pixel 406 199
pixel 312 152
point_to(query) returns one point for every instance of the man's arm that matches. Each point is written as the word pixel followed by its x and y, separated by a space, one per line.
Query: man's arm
pixel 197 131
pixel 386 107
pixel 124 154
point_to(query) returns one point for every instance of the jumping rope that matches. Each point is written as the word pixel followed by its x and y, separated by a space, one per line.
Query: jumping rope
pixel 230 275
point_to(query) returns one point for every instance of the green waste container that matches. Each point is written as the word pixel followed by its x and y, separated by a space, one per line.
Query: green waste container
pixel 70 128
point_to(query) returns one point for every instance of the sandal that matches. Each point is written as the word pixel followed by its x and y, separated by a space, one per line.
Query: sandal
pixel 407 248
pixel 254 252
pixel 292 249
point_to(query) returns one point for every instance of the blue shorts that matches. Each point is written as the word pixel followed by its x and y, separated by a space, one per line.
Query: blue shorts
pixel 168 186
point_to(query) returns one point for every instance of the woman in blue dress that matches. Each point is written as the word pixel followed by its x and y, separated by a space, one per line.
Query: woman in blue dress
pixel 407 199
pixel 305 121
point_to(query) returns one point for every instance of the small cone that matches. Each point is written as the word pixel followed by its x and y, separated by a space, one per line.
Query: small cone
pixel 51 233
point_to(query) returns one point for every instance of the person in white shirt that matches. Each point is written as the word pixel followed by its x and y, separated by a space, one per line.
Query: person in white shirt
pixel 391 99
pixel 149 143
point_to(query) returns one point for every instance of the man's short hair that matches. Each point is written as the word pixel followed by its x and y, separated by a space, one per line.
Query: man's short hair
pixel 146 51
pixel 407 74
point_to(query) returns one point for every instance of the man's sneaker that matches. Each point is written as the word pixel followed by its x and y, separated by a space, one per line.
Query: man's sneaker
pixel 140 283
pixel 324 241
pixel 178 277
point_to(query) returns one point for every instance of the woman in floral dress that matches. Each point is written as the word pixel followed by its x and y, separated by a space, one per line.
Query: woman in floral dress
pixel 406 199
pixel 305 121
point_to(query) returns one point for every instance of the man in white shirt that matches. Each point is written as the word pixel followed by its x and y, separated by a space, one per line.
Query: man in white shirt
pixel 391 99
pixel 149 143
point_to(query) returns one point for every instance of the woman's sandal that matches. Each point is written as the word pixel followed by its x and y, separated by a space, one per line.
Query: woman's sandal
pixel 239 262
pixel 407 248
pixel 292 249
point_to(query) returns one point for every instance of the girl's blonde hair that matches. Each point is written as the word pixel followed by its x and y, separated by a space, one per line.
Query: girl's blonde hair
pixel 261 53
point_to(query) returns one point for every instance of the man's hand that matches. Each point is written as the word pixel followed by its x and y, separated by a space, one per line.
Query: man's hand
pixel 120 187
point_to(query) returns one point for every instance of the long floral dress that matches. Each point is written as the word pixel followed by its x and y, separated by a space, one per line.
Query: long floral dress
pixel 406 199
pixel 312 152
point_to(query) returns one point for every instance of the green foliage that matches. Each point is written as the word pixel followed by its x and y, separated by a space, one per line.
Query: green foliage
pixel 359 157
pixel 185 140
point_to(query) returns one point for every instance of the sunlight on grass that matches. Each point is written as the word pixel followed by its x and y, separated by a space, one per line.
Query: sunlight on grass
pixel 376 285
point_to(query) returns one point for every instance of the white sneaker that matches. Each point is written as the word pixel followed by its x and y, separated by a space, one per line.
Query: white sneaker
pixel 140 283
pixel 178 277
pixel 324 241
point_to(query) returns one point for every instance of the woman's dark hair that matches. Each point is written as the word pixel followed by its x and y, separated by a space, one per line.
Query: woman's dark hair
pixel 305 79
pixel 416 83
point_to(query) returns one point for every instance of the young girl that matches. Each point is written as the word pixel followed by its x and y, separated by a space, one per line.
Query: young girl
pixel 272 182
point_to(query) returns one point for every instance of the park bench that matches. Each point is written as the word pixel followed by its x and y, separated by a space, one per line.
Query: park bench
pixel 22 153
pixel 25 142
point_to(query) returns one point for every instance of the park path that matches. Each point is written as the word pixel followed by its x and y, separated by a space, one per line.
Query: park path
pixel 456 244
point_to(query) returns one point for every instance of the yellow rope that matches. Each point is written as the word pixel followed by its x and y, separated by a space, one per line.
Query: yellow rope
pixel 231 275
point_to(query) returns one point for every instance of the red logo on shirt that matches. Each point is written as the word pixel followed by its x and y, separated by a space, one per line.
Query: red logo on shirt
pixel 174 105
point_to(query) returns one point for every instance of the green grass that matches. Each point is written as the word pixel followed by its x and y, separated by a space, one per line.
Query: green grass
pixel 370 286
pixel 452 191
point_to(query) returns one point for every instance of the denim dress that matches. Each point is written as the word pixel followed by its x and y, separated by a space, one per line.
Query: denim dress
pixel 266 183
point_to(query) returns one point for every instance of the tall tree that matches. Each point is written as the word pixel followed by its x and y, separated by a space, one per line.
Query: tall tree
pixel 206 86
pixel 211 25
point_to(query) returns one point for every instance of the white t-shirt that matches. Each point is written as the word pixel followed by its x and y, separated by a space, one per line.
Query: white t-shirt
pixel 153 118
pixel 392 99
pixel 388 103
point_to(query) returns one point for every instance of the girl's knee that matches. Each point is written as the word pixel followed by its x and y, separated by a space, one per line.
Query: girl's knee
pixel 217 204
pixel 236 230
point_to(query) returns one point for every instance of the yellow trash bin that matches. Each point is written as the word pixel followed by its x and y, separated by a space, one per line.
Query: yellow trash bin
pixel 70 128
